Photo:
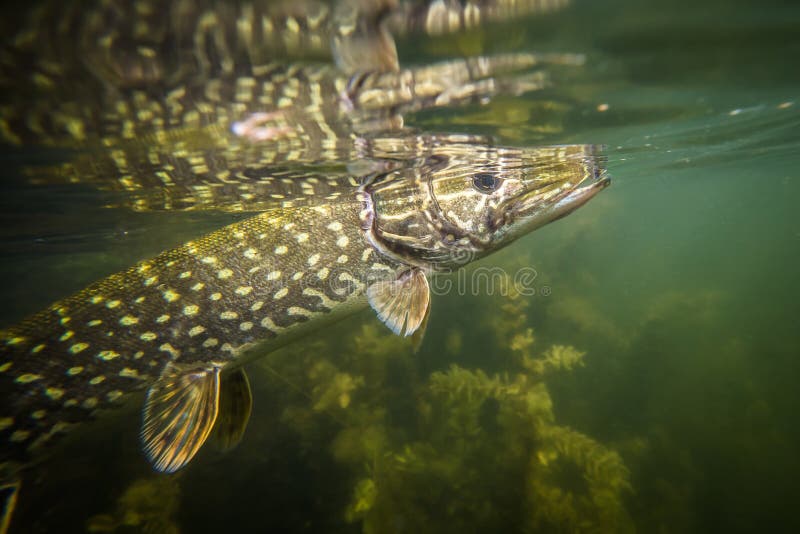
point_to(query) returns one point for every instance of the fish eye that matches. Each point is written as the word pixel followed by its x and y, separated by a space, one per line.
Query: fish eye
pixel 486 182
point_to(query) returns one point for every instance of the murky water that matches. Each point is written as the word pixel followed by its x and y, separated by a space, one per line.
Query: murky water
pixel 649 384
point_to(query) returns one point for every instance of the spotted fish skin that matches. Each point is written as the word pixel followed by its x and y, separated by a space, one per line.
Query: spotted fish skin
pixel 249 283
pixel 77 72
pixel 218 301
pixel 197 147
pixel 128 43
pixel 311 107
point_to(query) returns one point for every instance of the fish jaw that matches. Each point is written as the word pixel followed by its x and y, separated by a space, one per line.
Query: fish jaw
pixel 536 208
pixel 577 198
pixel 564 205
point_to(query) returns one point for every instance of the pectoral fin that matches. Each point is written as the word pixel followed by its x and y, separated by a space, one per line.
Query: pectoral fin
pixel 235 405
pixel 419 335
pixel 402 304
pixel 179 413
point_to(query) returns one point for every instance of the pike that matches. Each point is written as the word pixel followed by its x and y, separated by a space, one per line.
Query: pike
pixel 206 132
pixel 182 324
pixel 135 43
pixel 223 143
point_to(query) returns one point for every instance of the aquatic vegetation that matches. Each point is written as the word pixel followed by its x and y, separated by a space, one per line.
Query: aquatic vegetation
pixel 558 500
pixel 476 433
pixel 557 357
pixel 148 505
pixel 457 449
pixel 333 387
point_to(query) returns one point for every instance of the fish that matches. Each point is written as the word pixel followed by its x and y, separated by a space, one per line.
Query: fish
pixel 181 325
pixel 137 43
pixel 180 111
pixel 117 72
pixel 228 143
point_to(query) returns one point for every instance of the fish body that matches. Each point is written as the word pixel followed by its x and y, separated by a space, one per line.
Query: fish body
pixel 235 143
pixel 176 323
pixel 201 304
pixel 135 43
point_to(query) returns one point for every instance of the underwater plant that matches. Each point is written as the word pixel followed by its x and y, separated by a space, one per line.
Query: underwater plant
pixel 147 505
pixel 488 452
pixel 456 449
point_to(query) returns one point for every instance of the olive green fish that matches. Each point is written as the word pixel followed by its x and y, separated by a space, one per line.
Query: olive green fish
pixel 235 143
pixel 182 324
pixel 188 105
pixel 135 43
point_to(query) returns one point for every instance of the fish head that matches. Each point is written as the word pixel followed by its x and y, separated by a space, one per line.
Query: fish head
pixel 467 201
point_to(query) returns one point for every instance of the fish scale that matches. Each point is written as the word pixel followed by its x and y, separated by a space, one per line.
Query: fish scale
pixel 218 164
pixel 146 42
pixel 242 285
pixel 173 322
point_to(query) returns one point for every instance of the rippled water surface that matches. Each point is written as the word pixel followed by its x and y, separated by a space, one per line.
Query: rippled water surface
pixel 649 384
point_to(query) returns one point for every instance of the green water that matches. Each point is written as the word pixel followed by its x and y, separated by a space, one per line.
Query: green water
pixel 679 283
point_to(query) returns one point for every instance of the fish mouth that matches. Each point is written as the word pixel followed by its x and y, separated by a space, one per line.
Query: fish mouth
pixel 532 211
pixel 581 194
